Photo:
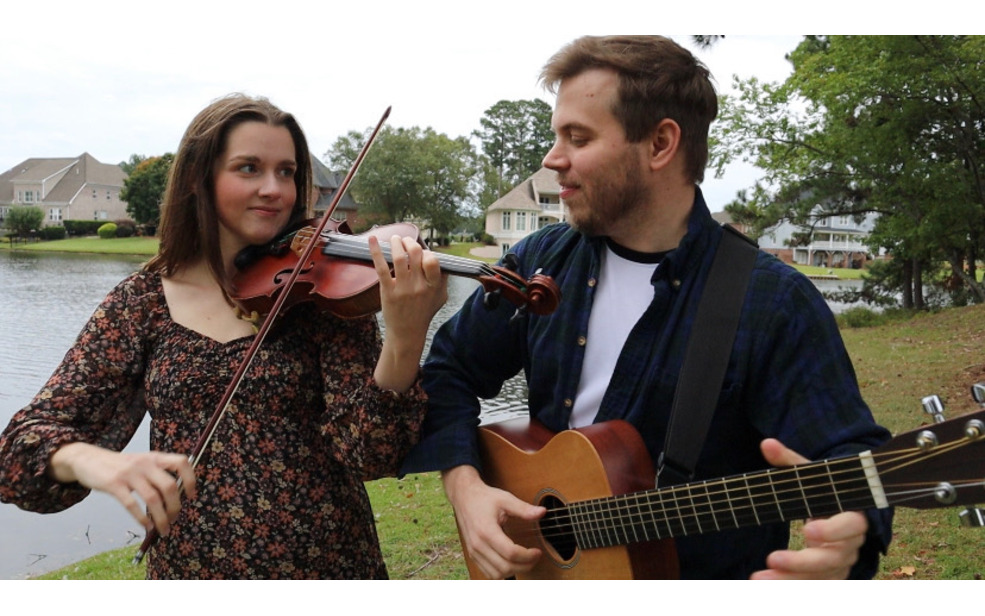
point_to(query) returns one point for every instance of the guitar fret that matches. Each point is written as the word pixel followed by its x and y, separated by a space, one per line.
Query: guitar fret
pixel 776 497
pixel 694 508
pixel 664 514
pixel 818 489
pixel 731 505
pixel 803 495
pixel 582 535
pixel 636 518
pixel 834 489
pixel 597 530
pixel 752 500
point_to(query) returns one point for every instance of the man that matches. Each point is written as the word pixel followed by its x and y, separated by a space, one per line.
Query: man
pixel 631 123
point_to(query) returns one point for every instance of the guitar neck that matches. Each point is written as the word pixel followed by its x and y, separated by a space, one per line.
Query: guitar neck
pixel 777 495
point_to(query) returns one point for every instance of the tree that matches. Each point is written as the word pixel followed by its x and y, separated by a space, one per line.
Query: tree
pixel 515 137
pixel 130 165
pixel 409 173
pixel 889 125
pixel 23 220
pixel 143 190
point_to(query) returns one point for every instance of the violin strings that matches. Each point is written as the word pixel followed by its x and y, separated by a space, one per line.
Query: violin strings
pixel 358 248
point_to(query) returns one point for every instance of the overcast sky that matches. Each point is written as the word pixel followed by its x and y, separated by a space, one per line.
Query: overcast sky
pixel 115 78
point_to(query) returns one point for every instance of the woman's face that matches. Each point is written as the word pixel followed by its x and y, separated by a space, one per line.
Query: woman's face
pixel 254 185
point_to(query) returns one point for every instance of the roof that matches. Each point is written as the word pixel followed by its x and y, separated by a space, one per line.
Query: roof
pixel 323 177
pixel 525 195
pixel 82 170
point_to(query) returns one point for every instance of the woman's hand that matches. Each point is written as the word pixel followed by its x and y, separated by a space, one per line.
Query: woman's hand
pixel 149 476
pixel 411 294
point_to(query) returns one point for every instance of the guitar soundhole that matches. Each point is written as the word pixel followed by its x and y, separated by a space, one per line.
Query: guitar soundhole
pixel 555 528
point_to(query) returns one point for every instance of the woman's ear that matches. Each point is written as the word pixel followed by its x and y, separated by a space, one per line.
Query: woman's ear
pixel 665 142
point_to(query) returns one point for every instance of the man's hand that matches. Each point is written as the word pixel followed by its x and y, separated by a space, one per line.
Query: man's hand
pixel 832 544
pixel 481 511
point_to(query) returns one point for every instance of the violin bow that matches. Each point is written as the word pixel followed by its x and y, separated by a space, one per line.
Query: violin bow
pixel 210 428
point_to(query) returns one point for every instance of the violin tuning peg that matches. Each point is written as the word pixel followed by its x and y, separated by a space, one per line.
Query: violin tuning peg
pixel 519 314
pixel 510 261
pixel 491 299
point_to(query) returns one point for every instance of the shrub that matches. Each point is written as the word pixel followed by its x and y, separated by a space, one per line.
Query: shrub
pixel 83 227
pixel 860 317
pixel 126 228
pixel 107 231
pixel 52 233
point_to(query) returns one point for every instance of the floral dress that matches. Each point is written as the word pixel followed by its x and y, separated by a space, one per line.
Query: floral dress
pixel 280 486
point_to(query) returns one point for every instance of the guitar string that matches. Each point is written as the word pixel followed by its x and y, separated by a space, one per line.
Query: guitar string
pixel 641 508
pixel 777 485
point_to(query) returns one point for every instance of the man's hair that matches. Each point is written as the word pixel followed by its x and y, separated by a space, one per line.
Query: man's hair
pixel 189 225
pixel 658 79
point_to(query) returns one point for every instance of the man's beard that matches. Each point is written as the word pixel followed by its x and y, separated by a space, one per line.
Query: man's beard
pixel 617 195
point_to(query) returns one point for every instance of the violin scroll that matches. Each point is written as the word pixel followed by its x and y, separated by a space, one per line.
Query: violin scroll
pixel 538 295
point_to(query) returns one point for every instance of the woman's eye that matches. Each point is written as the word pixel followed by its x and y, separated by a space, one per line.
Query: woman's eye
pixel 247 168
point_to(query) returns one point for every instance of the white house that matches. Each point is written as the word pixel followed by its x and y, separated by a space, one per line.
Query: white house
pixel 836 241
pixel 534 203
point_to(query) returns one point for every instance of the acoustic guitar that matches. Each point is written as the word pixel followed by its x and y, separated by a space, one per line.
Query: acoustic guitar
pixel 606 520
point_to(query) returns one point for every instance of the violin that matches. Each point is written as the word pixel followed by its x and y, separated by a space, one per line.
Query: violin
pixel 340 277
pixel 344 282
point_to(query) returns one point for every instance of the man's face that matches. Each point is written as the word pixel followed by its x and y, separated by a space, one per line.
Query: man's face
pixel 600 173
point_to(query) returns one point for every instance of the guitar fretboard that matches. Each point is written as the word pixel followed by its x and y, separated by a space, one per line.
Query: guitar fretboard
pixel 777 495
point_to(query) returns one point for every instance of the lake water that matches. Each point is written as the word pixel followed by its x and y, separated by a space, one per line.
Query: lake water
pixel 45 299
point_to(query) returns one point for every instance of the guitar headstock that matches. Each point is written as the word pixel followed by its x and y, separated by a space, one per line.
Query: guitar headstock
pixel 937 465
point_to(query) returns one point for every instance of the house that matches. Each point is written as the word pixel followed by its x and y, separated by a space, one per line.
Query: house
pixel 532 204
pixel 79 188
pixel 326 184
pixel 836 241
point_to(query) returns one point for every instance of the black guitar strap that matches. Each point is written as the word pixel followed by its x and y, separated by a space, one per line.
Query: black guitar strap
pixel 706 358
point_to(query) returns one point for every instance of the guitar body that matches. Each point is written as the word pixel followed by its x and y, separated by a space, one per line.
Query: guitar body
pixel 606 520
pixel 538 466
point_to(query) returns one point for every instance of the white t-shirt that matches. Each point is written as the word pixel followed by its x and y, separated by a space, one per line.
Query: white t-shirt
pixel 622 295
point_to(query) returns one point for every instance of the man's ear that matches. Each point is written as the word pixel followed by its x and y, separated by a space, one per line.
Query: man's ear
pixel 665 142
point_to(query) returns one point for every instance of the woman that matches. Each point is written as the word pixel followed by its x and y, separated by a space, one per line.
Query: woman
pixel 279 491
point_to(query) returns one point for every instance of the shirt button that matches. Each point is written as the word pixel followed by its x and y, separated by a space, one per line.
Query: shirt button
pixel 582 341
pixel 591 282
pixel 568 403
pixel 676 284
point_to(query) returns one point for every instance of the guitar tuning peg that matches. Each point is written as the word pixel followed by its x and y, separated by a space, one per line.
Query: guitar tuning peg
pixel 932 406
pixel 973 517
pixel 978 393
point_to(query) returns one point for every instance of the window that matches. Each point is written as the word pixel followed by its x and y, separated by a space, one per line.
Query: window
pixel 521 221
pixel 505 225
pixel 55 214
